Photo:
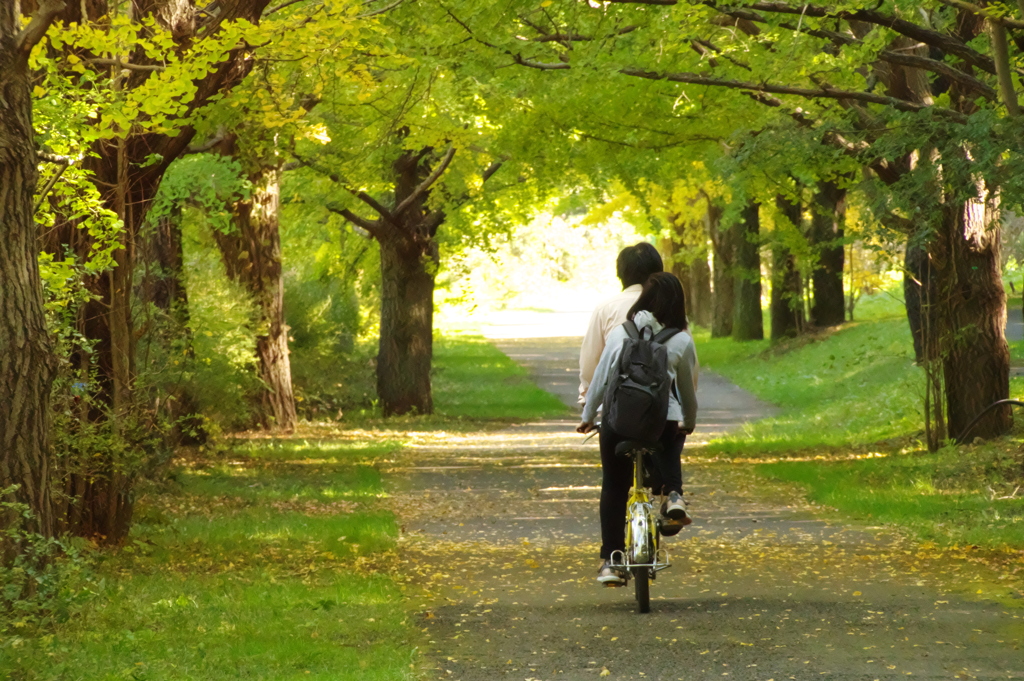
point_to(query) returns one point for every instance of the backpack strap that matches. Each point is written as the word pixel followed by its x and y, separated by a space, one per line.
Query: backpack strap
pixel 664 335
pixel 631 329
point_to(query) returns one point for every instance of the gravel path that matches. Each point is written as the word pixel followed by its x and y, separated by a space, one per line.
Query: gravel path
pixel 1014 324
pixel 499 544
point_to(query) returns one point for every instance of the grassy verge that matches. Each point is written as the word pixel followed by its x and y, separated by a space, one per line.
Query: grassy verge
pixel 261 564
pixel 856 385
pixel 473 379
pixel 848 429
pixel 472 382
pixel 960 495
pixel 270 560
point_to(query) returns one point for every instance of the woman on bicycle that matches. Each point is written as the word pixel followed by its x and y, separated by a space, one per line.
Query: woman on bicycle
pixel 661 305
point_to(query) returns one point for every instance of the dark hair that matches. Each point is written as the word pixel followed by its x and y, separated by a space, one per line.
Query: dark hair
pixel 636 263
pixel 664 298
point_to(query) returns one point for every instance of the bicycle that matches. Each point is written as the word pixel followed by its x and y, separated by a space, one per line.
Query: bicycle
pixel 644 557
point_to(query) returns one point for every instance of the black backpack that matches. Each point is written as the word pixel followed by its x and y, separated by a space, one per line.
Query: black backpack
pixel 636 403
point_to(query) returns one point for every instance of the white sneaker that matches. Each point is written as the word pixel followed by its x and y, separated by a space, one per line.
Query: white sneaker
pixel 609 577
pixel 675 508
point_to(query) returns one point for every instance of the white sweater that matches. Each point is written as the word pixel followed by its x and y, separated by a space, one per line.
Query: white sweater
pixel 682 370
pixel 606 316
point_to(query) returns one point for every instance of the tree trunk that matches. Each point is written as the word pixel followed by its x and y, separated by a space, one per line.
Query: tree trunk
pixel 699 304
pixel 408 261
pixel 970 316
pixel 672 254
pixel 252 257
pixel 916 283
pixel 826 237
pixel 27 363
pixel 406 326
pixel 162 286
pixel 748 322
pixel 723 244
pixel 693 272
pixel 786 310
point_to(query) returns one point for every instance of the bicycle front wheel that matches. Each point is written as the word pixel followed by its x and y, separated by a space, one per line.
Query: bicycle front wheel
pixel 642 588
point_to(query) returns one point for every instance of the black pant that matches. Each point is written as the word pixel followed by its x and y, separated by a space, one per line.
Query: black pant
pixel 617 472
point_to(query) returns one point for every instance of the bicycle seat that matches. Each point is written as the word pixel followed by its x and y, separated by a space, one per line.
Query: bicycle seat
pixel 627 447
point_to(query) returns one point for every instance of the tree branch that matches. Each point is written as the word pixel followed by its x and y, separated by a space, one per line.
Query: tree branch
pixel 425 185
pixel 1001 55
pixel 38 26
pixel 808 93
pixel 946 43
pixel 374 204
pixel 491 169
pixel 886 172
pixel 125 65
pixel 280 7
pixel 54 158
pixel 371 227
pixel 382 10
pixel 983 12
pixel 359 194
pixel 565 38
pixel 941 68
pixel 561 66
pixel 64 165
pixel 904 59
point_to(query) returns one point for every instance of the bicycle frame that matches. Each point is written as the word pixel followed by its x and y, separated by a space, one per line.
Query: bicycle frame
pixel 643 540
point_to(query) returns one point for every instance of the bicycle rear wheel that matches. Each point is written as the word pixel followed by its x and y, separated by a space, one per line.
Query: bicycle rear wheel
pixel 642 588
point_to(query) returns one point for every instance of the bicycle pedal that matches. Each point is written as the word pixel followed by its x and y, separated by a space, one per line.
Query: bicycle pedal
pixel 670 530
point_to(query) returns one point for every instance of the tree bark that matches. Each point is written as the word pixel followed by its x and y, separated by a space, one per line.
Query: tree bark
pixel 671 252
pixel 252 257
pixel 699 304
pixel 27 362
pixel 826 238
pixel 786 310
pixel 916 284
pixel 748 322
pixel 695 277
pixel 723 244
pixel 406 325
pixel 409 258
pixel 970 315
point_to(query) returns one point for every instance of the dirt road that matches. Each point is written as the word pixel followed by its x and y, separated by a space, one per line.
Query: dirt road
pixel 500 545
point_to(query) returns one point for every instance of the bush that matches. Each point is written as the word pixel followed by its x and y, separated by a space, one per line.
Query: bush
pixel 44 581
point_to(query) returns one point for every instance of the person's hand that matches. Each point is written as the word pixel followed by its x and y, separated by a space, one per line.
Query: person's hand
pixel 584 427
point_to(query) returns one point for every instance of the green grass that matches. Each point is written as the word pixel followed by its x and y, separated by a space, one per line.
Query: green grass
pixel 473 379
pixel 855 386
pixel 962 495
pixel 847 432
pixel 1017 352
pixel 262 564
pixel 268 561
